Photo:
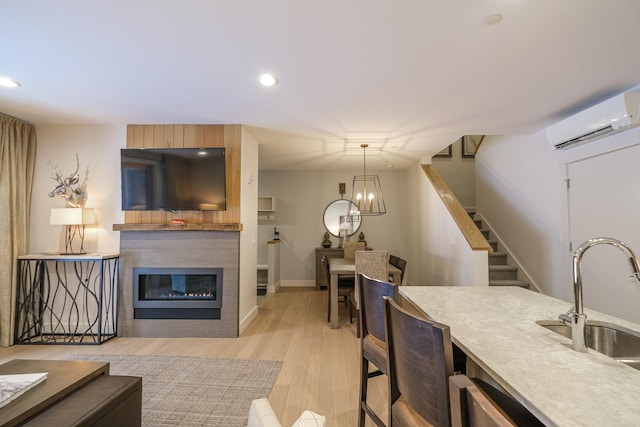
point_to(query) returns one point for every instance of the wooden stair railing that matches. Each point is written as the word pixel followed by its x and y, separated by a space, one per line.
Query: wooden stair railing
pixel 466 225
pixel 478 237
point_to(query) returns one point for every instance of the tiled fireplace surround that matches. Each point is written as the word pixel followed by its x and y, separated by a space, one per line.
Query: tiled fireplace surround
pixel 179 249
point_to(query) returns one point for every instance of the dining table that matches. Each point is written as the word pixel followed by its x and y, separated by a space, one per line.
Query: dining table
pixel 343 267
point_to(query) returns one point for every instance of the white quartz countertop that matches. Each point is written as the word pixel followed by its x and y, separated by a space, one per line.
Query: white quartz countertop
pixel 497 328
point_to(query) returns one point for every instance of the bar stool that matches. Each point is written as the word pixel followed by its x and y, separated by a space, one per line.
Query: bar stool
pixel 420 362
pixel 472 408
pixel 373 347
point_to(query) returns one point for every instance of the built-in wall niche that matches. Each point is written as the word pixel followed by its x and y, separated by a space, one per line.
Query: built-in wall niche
pixel 266 208
pixel 266 203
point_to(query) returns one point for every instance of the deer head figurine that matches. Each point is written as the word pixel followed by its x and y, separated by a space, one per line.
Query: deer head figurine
pixel 74 197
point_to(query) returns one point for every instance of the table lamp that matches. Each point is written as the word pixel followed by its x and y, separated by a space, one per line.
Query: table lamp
pixel 74 220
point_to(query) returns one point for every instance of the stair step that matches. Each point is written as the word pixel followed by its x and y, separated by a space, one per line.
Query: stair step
pixel 503 272
pixel 498 258
pixel 500 274
pixel 503 268
pixel 509 283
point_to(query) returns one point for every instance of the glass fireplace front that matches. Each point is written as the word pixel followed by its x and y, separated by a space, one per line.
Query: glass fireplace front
pixel 168 293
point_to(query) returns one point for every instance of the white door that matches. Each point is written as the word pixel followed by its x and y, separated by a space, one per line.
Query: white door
pixel 604 198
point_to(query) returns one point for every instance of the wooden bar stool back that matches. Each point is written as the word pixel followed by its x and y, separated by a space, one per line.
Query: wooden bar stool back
pixel 470 407
pixel 420 362
pixel 372 338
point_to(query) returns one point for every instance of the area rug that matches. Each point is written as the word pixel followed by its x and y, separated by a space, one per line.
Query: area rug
pixel 193 391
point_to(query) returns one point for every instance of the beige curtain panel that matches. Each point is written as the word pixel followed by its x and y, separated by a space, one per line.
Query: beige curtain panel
pixel 17 162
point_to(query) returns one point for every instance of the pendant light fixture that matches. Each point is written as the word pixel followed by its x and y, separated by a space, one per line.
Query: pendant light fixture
pixel 366 194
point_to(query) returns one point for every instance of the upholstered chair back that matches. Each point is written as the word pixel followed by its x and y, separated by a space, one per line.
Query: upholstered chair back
pixel 374 264
pixel 350 249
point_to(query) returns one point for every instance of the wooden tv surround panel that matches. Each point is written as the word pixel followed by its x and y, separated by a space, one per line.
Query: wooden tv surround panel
pixel 191 136
pixel 206 239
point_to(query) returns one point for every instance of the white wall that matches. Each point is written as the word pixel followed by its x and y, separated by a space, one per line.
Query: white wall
pixel 440 251
pixel 98 147
pixel 521 191
pixel 459 174
pixel 302 196
pixel 607 206
pixel 247 298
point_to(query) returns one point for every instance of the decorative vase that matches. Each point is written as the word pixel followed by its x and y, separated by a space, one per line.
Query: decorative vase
pixel 326 243
pixel 361 238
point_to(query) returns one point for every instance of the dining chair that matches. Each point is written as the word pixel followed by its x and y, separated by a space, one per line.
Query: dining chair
pixel 419 364
pixel 350 249
pixel 400 263
pixel 345 289
pixel 375 264
pixel 470 407
pixel 373 347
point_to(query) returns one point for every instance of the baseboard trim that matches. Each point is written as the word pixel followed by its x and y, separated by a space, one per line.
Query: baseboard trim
pixel 247 320
pixel 272 289
pixel 298 283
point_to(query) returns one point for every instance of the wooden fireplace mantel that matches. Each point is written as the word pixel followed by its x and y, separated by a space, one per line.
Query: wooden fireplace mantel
pixel 178 227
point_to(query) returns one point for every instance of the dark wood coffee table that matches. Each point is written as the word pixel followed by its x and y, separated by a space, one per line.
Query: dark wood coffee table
pixel 63 378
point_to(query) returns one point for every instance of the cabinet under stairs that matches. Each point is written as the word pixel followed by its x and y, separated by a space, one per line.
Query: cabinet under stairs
pixel 502 272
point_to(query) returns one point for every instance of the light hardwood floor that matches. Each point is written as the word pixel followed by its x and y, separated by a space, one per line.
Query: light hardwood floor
pixel 320 365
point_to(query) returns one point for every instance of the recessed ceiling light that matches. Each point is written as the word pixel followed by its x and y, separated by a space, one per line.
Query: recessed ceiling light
pixel 267 79
pixel 7 82
pixel 492 19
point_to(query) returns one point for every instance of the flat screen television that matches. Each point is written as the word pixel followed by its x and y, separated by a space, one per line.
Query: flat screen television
pixel 173 179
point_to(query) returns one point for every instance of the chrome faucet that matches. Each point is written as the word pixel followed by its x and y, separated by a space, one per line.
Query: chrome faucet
pixel 576 316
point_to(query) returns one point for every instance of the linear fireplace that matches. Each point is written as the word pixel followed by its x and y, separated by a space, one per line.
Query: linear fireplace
pixel 177 293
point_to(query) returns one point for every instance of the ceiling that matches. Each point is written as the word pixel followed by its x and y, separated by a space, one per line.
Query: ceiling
pixel 407 77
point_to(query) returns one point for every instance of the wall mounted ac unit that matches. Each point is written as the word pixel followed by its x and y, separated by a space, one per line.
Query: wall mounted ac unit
pixel 614 115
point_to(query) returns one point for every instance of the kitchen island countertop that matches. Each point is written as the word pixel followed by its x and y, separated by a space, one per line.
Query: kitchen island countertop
pixel 496 328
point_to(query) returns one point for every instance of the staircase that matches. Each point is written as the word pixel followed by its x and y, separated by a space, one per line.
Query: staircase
pixel 500 272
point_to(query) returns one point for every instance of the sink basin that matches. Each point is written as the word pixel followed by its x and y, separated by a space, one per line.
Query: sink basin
pixel 605 338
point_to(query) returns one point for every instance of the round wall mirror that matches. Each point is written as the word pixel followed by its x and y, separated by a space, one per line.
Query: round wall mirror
pixel 335 218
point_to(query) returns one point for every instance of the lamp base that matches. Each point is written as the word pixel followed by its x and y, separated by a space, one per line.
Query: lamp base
pixel 70 246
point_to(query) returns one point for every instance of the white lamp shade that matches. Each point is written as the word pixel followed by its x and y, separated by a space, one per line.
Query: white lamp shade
pixel 71 216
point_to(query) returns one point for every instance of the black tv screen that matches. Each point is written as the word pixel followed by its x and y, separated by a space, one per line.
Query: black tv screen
pixel 173 179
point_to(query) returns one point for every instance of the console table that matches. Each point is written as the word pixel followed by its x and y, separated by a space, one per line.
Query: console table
pixel 66 299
